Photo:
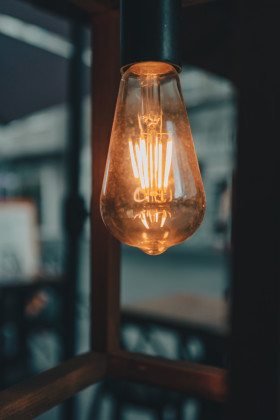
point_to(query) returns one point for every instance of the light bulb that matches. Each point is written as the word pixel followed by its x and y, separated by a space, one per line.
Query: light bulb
pixel 152 195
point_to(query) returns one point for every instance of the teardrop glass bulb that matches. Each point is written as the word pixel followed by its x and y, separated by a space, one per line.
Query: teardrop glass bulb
pixel 152 195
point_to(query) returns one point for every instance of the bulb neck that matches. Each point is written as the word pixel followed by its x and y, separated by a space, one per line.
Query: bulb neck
pixel 150 31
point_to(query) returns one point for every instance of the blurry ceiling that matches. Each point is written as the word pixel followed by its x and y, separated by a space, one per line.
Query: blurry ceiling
pixel 208 29
pixel 35 48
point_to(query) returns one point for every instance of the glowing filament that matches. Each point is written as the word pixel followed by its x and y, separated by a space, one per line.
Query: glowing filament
pixel 159 165
pixel 145 162
pixel 144 221
pixel 133 161
pixel 153 217
pixel 168 162
pixel 151 162
pixel 140 169
pixel 156 160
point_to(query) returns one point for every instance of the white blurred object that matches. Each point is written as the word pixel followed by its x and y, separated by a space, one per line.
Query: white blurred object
pixel 19 240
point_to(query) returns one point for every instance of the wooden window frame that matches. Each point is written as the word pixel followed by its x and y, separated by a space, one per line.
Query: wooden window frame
pixel 44 391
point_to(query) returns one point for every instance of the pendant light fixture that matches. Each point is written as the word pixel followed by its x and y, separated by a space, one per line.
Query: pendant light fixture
pixel 152 195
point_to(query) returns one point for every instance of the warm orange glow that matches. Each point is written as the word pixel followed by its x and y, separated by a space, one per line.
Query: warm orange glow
pixel 152 195
pixel 133 161
pixel 168 162
pixel 140 168
pixel 151 166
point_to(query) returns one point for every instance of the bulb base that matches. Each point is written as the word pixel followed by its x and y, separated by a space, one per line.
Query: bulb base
pixel 150 31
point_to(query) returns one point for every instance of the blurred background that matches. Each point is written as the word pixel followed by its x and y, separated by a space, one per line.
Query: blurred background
pixel 174 305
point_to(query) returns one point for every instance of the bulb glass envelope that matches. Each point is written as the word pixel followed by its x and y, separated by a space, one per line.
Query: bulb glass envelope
pixel 152 195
